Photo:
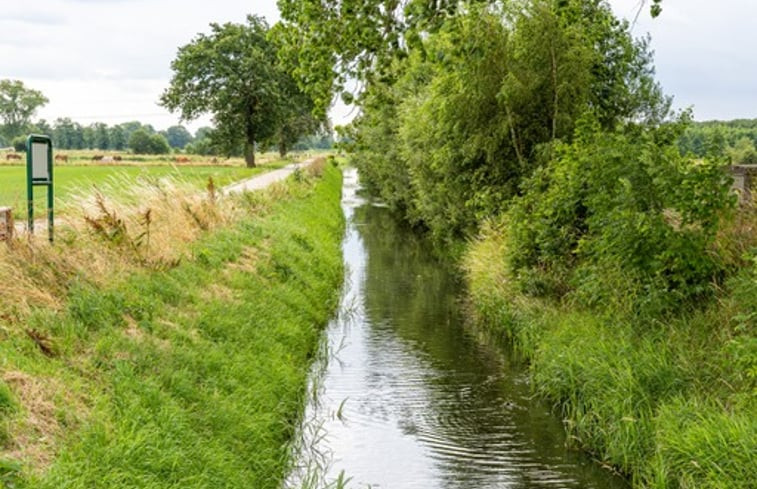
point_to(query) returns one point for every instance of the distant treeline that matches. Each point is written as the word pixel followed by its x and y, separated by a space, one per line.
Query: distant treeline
pixel 139 138
pixel 736 138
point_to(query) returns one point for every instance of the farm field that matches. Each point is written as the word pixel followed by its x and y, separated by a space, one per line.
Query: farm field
pixel 73 179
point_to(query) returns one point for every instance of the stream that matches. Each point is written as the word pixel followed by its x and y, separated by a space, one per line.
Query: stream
pixel 408 397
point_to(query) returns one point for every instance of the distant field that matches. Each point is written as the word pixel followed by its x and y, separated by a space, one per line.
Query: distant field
pixel 72 179
pixel 86 157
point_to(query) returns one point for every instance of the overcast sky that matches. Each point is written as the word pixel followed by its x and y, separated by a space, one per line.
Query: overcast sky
pixel 109 60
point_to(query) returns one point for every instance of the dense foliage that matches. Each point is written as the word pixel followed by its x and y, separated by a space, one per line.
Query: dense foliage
pixel 619 218
pixel 546 112
pixel 17 106
pixel 736 139
pixel 450 131
pixel 141 142
pixel 234 74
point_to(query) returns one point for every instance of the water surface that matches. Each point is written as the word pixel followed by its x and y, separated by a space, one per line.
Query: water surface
pixel 409 398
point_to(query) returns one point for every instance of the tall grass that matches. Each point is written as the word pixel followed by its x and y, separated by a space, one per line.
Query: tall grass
pixel 178 363
pixel 668 401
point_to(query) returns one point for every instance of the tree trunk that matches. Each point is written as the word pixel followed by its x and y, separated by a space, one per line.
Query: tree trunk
pixel 249 154
pixel 282 149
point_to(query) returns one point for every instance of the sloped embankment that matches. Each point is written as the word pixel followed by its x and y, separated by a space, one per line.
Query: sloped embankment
pixel 183 374
pixel 669 401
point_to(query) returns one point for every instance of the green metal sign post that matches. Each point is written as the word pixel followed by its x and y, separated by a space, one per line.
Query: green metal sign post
pixel 39 172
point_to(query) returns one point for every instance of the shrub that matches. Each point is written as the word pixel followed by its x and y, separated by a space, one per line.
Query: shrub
pixel 141 142
pixel 623 207
pixel 19 144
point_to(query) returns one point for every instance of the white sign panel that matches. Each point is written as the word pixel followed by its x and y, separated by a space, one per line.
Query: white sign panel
pixel 39 162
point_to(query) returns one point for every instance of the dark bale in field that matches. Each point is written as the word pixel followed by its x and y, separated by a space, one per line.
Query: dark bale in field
pixel 97 158
pixel 12 156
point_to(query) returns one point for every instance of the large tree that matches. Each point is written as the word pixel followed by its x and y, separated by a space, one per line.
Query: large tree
pixel 233 73
pixel 17 106
pixel 178 136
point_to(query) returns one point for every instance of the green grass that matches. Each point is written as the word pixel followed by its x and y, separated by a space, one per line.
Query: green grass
pixel 192 377
pixel 76 179
pixel 669 401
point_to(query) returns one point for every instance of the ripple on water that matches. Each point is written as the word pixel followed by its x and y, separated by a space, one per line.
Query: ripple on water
pixel 409 399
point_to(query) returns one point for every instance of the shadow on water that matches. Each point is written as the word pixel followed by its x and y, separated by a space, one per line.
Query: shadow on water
pixel 408 397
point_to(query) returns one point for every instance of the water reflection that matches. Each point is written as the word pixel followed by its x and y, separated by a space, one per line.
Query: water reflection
pixel 410 399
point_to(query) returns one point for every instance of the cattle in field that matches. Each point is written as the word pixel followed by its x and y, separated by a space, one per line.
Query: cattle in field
pixel 12 156
pixel 107 159
pixel 181 159
pixel 63 158
pixel 97 158
pixel 117 158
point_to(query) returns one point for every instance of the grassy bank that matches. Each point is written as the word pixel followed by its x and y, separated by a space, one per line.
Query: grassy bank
pixel 184 366
pixel 669 401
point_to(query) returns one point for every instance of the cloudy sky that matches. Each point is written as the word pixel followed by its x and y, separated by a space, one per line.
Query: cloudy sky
pixel 109 60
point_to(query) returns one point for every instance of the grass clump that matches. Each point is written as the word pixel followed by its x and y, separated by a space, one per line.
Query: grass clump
pixel 186 374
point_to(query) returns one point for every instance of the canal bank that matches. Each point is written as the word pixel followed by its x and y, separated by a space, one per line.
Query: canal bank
pixel 669 400
pixel 408 397
pixel 189 373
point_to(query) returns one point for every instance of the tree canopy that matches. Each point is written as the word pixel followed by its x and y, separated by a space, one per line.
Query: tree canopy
pixel 234 74
pixel 177 136
pixel 17 106
pixel 142 142
pixel 548 108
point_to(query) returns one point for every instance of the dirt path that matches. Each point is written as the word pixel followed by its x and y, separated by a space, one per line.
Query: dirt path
pixel 262 181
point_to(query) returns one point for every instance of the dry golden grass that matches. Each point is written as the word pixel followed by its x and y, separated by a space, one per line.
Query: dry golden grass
pixel 37 431
pixel 150 225
pixel 737 235
pixel 315 169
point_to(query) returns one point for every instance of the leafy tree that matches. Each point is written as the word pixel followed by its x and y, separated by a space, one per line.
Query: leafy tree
pixel 142 142
pixel 88 135
pixel 620 212
pixel 19 143
pixel 449 131
pixel 329 42
pixel 117 138
pixel 100 136
pixel 203 146
pixel 177 136
pixel 17 106
pixel 68 134
pixel 202 143
pixel 743 152
pixel 203 132
pixel 295 116
pixel 232 73
pixel 42 127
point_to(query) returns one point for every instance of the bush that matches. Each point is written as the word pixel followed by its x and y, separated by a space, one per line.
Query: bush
pixel 19 143
pixel 620 208
pixel 141 142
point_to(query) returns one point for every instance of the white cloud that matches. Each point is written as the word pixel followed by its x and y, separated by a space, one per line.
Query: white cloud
pixel 110 59
pixel 703 53
pixel 107 60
